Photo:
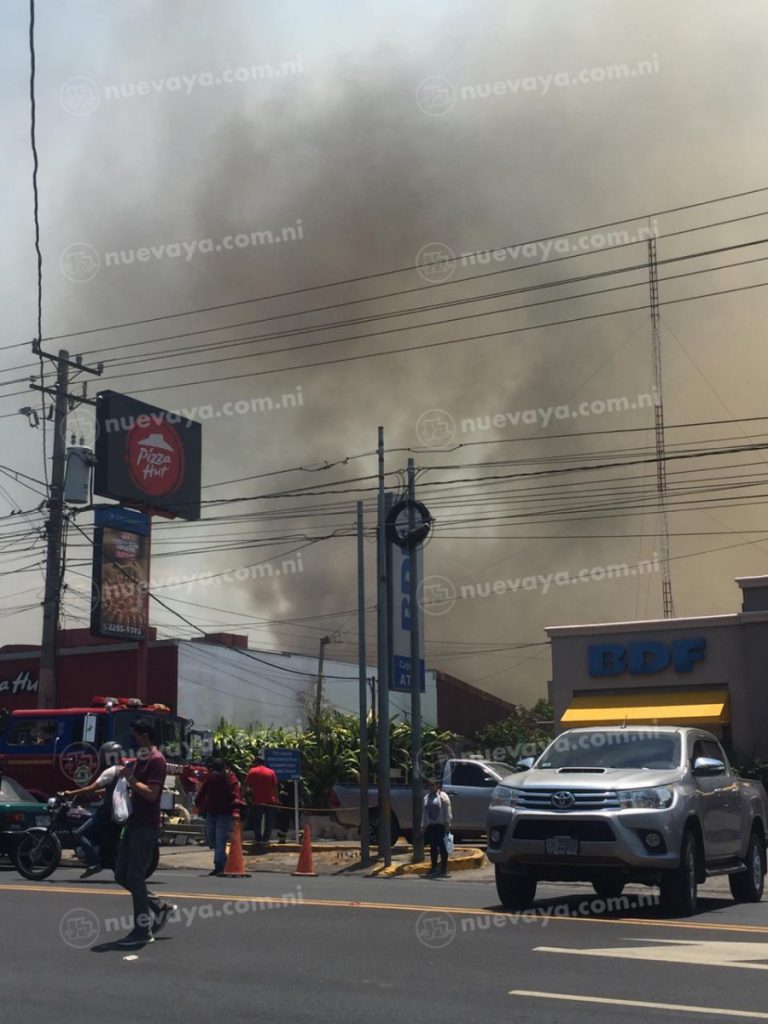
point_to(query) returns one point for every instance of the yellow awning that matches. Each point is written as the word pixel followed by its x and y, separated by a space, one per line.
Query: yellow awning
pixel 677 707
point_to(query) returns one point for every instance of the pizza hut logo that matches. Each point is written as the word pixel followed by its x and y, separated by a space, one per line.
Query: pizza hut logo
pixel 155 459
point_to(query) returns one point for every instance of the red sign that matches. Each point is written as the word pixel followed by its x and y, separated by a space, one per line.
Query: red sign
pixel 155 459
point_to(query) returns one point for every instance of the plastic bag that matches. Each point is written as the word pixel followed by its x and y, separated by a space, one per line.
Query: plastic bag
pixel 449 842
pixel 121 802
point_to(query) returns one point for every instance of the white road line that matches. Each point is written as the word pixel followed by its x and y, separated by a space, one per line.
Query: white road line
pixel 715 1011
pixel 714 954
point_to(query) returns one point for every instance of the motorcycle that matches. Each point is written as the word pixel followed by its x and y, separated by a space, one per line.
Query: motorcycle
pixel 37 854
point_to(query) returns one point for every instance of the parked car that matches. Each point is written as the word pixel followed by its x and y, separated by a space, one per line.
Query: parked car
pixel 468 782
pixel 18 811
pixel 656 805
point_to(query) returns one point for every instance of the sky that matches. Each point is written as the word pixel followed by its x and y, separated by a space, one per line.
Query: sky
pixel 382 144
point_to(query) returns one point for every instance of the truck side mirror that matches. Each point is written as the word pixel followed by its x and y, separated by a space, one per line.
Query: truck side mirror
pixel 525 764
pixel 708 766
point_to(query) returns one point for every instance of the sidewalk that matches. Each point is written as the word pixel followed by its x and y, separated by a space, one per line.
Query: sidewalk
pixel 330 858
pixel 340 858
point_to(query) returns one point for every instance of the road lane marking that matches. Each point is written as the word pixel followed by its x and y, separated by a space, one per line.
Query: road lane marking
pixel 678 951
pixel 408 907
pixel 715 1011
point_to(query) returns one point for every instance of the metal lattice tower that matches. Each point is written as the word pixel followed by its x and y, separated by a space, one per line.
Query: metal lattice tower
pixel 658 408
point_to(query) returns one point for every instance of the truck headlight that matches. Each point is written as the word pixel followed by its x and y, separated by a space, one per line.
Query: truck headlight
pixel 657 797
pixel 504 796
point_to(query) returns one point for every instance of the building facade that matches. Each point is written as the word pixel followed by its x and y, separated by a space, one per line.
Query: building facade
pixel 206 680
pixel 710 671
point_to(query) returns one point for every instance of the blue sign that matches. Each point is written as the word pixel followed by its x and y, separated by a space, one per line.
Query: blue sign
pixel 119 518
pixel 284 762
pixel 644 657
pixel 401 621
pixel 401 676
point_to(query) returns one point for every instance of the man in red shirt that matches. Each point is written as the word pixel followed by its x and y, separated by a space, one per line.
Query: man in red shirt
pixel 145 777
pixel 261 787
pixel 219 799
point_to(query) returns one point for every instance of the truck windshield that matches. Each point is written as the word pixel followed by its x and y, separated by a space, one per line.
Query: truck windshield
pixel 169 730
pixel 604 748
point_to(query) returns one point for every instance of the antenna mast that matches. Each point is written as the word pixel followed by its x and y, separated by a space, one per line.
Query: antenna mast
pixel 658 409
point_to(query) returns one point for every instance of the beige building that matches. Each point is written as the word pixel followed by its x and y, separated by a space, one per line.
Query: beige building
pixel 710 671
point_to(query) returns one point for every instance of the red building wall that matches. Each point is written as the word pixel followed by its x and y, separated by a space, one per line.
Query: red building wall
pixel 82 673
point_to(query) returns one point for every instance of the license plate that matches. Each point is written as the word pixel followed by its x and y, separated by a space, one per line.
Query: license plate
pixel 41 819
pixel 562 846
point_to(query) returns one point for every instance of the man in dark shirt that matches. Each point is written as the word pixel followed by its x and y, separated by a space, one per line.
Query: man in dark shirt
pixel 145 778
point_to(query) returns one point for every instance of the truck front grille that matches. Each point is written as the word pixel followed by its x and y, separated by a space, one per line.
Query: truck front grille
pixel 588 831
pixel 583 799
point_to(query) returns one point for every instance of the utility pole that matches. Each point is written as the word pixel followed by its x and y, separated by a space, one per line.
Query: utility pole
pixel 658 412
pixel 365 848
pixel 63 401
pixel 385 838
pixel 319 695
pixel 413 574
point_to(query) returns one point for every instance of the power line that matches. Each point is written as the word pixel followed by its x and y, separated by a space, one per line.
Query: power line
pixel 240 342
pixel 411 267
pixel 441 344
pixel 36 215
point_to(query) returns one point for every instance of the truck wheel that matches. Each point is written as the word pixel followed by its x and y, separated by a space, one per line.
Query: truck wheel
pixel 373 830
pixel 747 886
pixel 516 892
pixel 394 829
pixel 608 888
pixel 679 888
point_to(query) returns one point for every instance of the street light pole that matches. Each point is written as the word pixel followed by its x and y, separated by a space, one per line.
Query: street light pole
pixel 319 694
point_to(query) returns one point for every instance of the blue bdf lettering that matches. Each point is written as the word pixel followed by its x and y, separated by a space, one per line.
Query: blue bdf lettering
pixel 644 657
pixel 686 652
pixel 606 660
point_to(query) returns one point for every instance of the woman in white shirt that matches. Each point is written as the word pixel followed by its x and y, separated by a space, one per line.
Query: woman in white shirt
pixel 435 820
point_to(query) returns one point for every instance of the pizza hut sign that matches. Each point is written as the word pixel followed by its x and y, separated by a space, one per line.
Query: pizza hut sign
pixel 155 459
pixel 147 457
pixel 23 683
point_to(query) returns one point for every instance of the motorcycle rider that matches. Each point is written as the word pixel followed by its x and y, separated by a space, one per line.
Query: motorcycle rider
pixel 99 828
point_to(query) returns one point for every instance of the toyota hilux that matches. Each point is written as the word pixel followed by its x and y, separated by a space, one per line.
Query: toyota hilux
pixel 657 805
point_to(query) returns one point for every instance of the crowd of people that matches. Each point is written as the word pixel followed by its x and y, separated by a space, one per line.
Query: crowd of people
pixel 137 786
pixel 129 814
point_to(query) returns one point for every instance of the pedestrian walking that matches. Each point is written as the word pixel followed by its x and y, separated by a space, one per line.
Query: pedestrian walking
pixel 219 798
pixel 261 790
pixel 145 778
pixel 436 818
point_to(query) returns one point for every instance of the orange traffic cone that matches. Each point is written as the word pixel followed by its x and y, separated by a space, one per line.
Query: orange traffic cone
pixel 305 865
pixel 235 866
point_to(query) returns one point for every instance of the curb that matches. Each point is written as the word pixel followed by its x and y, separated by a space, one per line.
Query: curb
pixel 469 861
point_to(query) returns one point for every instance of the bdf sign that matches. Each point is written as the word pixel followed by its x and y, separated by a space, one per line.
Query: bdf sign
pixel 644 657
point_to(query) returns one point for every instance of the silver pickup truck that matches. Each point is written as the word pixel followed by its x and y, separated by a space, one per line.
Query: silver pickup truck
pixel 655 805
pixel 468 782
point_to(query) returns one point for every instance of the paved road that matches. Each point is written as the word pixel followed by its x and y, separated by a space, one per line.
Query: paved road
pixel 278 948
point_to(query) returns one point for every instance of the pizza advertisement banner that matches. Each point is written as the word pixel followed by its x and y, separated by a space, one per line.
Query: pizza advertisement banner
pixel 147 457
pixel 120 589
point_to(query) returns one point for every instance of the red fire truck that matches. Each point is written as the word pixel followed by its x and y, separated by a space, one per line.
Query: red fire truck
pixel 49 750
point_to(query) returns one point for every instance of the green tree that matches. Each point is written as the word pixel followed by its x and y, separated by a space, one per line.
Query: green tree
pixel 523 733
